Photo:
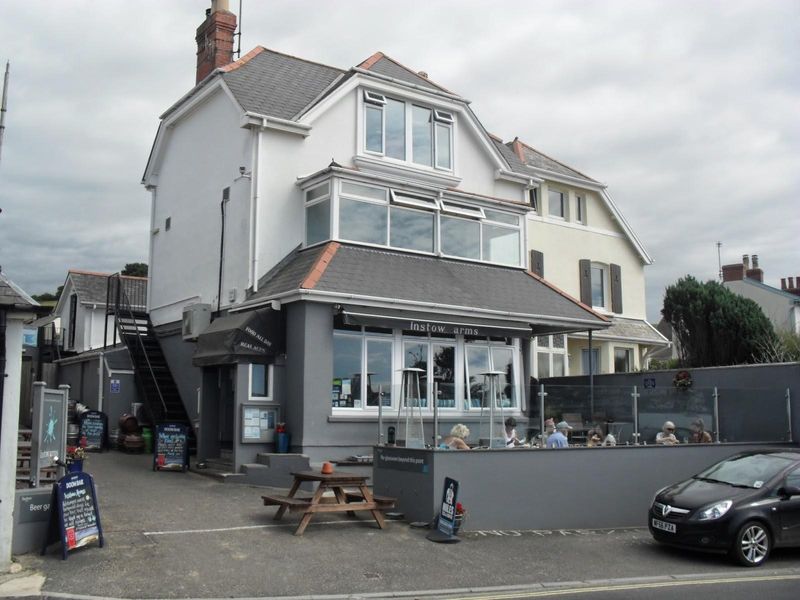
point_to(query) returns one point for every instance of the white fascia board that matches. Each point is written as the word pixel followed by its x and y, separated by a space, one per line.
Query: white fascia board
pixel 399 304
pixel 529 181
pixel 171 118
pixel 411 92
pixel 65 292
pixel 634 239
pixel 250 119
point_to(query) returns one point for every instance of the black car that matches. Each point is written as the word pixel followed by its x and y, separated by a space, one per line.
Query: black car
pixel 744 505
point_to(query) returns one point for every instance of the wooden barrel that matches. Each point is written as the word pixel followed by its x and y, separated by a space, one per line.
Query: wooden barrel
pixel 128 424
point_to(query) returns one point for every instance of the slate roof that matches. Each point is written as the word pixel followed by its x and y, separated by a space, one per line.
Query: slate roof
pixel 392 275
pixel 91 287
pixel 540 160
pixel 277 85
pixel 634 330
pixel 391 68
pixel 12 296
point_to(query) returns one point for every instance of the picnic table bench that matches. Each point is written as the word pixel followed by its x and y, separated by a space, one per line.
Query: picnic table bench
pixel 348 501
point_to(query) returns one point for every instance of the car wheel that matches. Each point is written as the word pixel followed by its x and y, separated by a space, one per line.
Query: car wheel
pixel 753 544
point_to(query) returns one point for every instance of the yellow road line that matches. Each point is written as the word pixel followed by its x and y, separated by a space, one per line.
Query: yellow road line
pixel 627 586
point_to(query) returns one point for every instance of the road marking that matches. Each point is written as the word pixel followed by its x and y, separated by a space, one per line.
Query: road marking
pixel 240 528
pixel 622 587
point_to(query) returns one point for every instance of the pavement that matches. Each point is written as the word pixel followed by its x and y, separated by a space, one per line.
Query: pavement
pixel 183 535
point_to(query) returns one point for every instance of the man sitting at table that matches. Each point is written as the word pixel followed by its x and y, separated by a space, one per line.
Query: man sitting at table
pixel 559 438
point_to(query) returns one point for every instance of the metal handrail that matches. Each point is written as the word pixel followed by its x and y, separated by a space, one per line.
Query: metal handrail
pixel 122 301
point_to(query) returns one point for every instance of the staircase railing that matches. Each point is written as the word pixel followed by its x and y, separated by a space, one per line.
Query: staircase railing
pixel 117 296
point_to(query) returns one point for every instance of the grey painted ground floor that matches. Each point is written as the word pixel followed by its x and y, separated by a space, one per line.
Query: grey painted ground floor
pixel 176 535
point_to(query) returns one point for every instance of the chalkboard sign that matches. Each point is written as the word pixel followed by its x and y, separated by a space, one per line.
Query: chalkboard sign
pixel 76 520
pixel 171 450
pixel 94 429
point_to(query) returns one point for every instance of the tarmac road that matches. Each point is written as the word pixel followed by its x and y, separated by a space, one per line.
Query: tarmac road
pixel 176 535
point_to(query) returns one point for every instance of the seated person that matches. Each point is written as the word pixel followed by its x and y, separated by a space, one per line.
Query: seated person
pixel 511 433
pixel 666 436
pixel 594 437
pixel 549 429
pixel 455 440
pixel 699 433
pixel 559 438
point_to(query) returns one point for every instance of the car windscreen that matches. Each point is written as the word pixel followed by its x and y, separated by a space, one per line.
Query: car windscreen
pixel 751 470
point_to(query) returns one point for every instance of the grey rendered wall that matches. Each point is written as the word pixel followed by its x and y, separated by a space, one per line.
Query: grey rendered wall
pixel 547 489
pixel 119 403
pixel 82 378
pixel 187 377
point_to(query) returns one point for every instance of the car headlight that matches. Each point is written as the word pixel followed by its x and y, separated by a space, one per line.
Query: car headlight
pixel 715 511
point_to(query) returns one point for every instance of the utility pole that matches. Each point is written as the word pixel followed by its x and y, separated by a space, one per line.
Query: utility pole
pixel 3 105
pixel 719 259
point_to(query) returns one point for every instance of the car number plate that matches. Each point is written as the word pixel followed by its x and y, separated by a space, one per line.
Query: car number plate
pixel 664 526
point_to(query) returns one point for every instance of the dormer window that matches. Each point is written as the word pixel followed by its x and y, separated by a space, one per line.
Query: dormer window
pixel 408 132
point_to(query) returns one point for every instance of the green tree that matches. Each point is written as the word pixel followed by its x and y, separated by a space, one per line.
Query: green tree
pixel 136 269
pixel 49 296
pixel 713 326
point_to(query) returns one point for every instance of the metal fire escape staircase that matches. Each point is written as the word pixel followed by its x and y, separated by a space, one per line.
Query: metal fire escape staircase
pixel 126 300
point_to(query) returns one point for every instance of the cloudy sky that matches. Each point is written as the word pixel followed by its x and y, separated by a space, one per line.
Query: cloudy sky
pixel 689 111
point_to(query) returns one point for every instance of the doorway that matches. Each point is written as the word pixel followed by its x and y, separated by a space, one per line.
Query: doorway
pixel 226 384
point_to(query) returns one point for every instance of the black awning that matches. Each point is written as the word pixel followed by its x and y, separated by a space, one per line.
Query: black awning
pixel 254 336
pixel 443 324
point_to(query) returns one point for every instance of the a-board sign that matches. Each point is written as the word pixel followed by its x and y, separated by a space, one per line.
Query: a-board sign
pixel 94 430
pixel 76 520
pixel 445 527
pixel 171 447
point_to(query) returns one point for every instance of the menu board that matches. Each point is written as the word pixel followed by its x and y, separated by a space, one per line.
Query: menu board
pixel 76 520
pixel 94 425
pixel 171 451
pixel 258 423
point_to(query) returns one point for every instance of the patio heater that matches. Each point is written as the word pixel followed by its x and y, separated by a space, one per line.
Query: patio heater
pixel 410 408
pixel 491 380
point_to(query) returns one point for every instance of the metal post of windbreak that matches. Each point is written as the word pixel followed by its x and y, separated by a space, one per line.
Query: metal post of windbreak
pixel 591 376
pixel 542 395
pixel 105 325
pixel 116 306
pixel 789 413
pixel 635 396
pixel 435 414
pixel 380 415
pixel 716 415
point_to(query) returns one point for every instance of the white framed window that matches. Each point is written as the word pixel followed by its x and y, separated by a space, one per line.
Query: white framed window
pixel 556 201
pixel 260 384
pixel 408 132
pixel 318 214
pixel 463 210
pixel 580 209
pixel 599 285
pixel 549 356
pixel 363 369
pixel 481 357
pixel 414 201
pixel 623 360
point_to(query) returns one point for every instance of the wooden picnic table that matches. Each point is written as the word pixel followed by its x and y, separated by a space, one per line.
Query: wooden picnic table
pixel 345 501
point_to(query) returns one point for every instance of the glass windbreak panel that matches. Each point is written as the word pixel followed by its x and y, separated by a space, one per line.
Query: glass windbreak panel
pixel 415 355
pixel 346 387
pixel 741 415
pixel 598 286
pixel 477 364
pixel 460 237
pixel 556 202
pixel 362 221
pixel 501 245
pixel 501 217
pixel 751 471
pixel 422 134
pixel 559 365
pixel 622 360
pixel 373 125
pixel 395 129
pixel 379 372
pixel 444 374
pixel 542 365
pixel 259 382
pixel 318 222
pixel 684 408
pixel 607 411
pixel 411 229
pixel 364 191
pixel 318 192
pixel 503 360
pixel 443 152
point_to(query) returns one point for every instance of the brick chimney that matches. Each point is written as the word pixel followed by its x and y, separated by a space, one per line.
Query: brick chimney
pixel 215 39
pixel 791 285
pixel 733 272
pixel 755 272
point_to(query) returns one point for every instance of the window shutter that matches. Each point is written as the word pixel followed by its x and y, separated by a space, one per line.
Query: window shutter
pixel 585 269
pixel 616 289
pixel 537 263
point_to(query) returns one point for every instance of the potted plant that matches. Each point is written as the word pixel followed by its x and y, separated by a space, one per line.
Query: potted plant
pixel 461 515
pixel 75 456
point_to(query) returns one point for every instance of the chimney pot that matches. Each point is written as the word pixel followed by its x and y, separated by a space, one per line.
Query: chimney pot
pixel 783 282
pixel 755 261
pixel 215 39
pixel 746 261
pixel 733 272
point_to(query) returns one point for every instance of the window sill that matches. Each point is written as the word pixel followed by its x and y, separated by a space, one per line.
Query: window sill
pixel 444 414
pixel 368 163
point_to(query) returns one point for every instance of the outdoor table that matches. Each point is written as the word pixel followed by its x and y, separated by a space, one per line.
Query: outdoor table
pixel 348 502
